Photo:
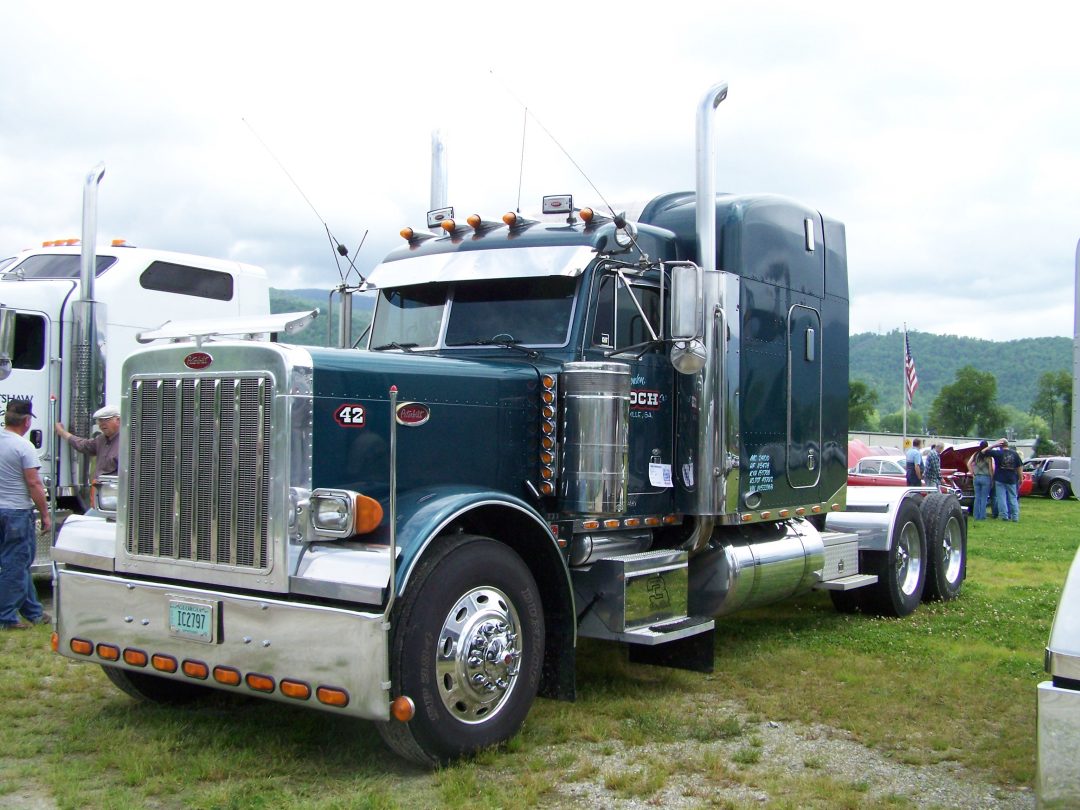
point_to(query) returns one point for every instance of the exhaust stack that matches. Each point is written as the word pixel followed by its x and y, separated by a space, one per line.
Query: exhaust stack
pixel 87 374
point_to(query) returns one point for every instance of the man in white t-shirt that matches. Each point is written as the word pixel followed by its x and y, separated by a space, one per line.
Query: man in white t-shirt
pixel 21 490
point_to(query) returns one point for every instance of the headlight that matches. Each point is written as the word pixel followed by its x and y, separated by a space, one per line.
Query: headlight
pixel 341 513
pixel 331 512
pixel 106 490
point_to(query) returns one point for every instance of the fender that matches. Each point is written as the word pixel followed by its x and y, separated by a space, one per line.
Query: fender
pixel 425 515
pixel 871 514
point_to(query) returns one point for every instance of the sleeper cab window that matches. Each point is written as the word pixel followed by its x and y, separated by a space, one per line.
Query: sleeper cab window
pixel 184 280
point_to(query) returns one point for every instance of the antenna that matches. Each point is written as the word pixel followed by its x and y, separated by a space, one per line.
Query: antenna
pixel 338 248
pixel 529 113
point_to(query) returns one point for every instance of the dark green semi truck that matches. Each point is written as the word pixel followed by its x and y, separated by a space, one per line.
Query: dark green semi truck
pixel 602 426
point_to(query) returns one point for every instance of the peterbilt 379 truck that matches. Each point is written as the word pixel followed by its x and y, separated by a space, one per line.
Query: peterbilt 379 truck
pixel 68 328
pixel 586 427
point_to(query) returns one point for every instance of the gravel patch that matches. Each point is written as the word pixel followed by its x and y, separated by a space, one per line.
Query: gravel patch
pixel 790 750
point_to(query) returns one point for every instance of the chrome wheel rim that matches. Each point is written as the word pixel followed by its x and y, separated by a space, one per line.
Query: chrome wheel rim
pixel 478 655
pixel 908 559
pixel 952 550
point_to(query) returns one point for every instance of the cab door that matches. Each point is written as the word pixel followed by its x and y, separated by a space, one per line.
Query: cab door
pixel 626 318
pixel 804 397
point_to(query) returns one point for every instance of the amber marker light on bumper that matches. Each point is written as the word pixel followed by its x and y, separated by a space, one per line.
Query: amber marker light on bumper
pixel 332 697
pixel 403 708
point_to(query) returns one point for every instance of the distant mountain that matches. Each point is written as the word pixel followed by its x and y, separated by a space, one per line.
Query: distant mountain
pixel 878 360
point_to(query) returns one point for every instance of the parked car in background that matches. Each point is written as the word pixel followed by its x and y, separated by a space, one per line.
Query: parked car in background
pixel 1057 735
pixel 1051 476
pixel 889 471
pixel 878 471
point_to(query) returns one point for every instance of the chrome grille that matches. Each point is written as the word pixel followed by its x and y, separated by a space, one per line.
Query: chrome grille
pixel 198 469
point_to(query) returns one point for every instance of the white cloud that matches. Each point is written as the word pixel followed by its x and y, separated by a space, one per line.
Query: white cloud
pixel 946 139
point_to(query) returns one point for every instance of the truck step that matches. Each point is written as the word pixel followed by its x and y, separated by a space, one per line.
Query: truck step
pixel 847 583
pixel 673 630
pixel 688 643
pixel 632 593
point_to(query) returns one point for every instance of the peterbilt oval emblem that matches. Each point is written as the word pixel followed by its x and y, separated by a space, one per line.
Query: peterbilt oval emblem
pixel 198 360
pixel 412 414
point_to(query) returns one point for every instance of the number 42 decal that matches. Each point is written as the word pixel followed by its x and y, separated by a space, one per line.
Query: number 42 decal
pixel 350 416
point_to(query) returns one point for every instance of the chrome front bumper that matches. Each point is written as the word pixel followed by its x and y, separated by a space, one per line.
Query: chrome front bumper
pixel 316 645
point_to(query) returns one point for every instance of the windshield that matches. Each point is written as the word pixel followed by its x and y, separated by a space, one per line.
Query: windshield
pixel 529 311
pixel 56 265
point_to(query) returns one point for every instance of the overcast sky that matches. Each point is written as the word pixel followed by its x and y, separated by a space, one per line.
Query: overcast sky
pixel 947 141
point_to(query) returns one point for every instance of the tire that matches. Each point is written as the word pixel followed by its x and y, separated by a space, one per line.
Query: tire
pixel 467 648
pixel 155 689
pixel 901 570
pixel 1059 490
pixel 946 545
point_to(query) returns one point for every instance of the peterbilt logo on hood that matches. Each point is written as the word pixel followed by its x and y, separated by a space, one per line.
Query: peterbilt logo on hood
pixel 198 360
pixel 412 414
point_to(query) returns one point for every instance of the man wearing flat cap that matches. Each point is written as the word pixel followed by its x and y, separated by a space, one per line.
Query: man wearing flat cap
pixel 21 490
pixel 105 445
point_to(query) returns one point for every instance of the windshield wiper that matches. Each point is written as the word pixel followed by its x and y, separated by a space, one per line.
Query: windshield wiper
pixel 504 340
pixel 405 347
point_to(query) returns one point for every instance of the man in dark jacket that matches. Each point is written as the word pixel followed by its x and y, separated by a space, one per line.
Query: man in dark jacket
pixel 1007 465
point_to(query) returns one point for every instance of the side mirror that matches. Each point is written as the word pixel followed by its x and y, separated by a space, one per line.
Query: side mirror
pixel 688 354
pixel 686 308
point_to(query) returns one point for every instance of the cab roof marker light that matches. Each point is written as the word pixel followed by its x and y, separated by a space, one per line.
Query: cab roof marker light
pixel 448 225
pixel 516 221
pixel 590 217
pixel 480 225
pixel 415 237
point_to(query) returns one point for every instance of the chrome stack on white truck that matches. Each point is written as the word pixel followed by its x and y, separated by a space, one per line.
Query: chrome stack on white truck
pixel 578 426
pixel 70 312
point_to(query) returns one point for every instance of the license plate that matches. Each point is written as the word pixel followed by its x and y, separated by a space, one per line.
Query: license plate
pixel 192 620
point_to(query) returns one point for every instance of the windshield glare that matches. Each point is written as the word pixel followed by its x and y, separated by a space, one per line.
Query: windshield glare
pixel 528 311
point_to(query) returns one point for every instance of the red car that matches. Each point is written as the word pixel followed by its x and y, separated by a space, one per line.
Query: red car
pixel 954 465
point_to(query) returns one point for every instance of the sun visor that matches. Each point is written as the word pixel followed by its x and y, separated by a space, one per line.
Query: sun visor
pixel 470 265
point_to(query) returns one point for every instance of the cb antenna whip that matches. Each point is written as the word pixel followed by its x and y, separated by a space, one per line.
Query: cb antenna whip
pixel 338 248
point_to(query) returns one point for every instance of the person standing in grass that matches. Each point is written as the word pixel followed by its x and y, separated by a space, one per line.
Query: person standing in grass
pixel 1007 464
pixel 932 474
pixel 913 464
pixel 20 491
pixel 981 467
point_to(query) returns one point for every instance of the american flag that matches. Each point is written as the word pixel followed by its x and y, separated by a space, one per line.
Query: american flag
pixel 911 379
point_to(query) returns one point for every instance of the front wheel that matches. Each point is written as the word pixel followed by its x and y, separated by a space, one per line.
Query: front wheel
pixel 946 544
pixel 1059 490
pixel 901 570
pixel 468 646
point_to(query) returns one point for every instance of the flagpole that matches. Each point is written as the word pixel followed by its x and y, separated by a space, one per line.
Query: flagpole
pixel 904 383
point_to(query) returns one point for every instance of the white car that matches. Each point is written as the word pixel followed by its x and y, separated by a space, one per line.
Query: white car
pixel 1057 783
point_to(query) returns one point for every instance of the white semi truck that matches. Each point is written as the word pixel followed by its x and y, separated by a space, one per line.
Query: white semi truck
pixel 70 312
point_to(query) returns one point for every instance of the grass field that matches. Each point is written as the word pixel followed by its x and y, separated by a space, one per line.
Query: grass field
pixel 953 684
